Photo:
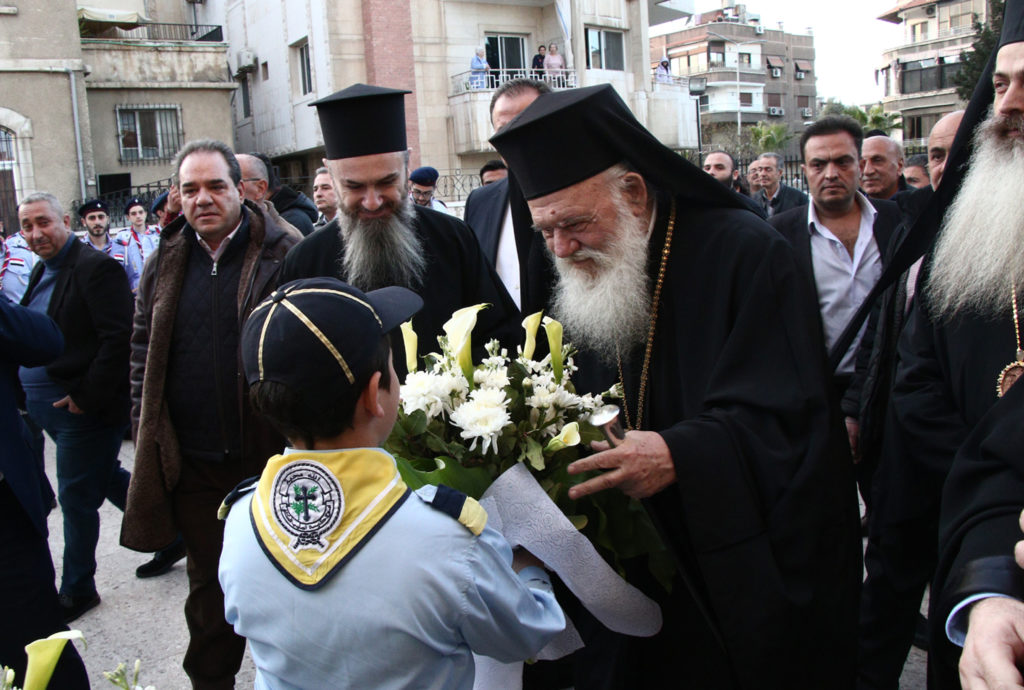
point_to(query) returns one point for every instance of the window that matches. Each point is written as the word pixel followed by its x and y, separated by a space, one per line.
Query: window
pixel 773 100
pixel 744 59
pixel 148 132
pixel 919 32
pixel 304 79
pixel 605 50
pixel 507 52
pixel 802 102
pixel 8 177
pixel 243 89
pixel 957 17
pixel 746 99
pixel 716 54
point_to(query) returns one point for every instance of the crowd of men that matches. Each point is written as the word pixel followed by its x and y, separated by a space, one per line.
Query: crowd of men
pixel 777 353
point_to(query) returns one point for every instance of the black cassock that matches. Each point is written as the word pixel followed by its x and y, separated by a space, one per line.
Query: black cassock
pixel 457 275
pixel 961 441
pixel 763 515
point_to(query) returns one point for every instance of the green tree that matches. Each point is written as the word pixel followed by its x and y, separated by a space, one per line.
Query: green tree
pixel 770 137
pixel 973 61
pixel 877 118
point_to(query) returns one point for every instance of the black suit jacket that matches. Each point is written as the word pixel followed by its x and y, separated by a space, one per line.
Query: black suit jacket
pixel 92 305
pixel 787 199
pixel 485 213
pixel 793 226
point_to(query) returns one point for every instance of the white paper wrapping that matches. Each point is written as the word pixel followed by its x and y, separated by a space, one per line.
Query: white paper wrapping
pixel 517 507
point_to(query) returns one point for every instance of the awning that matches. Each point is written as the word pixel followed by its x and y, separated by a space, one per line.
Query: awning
pixel 774 61
pixel 802 65
pixel 122 19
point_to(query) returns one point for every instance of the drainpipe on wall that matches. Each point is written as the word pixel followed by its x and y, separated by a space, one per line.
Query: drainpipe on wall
pixel 78 133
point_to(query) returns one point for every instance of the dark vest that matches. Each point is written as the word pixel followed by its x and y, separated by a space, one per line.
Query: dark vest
pixel 202 384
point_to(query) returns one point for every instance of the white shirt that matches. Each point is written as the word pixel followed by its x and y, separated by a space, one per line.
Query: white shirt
pixel 843 281
pixel 506 263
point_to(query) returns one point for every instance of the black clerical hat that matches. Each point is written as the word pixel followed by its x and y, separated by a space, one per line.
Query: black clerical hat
pixel 566 137
pixel 319 336
pixel 1013 23
pixel 362 120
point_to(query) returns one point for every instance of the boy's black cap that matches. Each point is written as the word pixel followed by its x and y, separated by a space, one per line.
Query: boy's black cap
pixel 362 120
pixel 318 336
pixel 134 201
pixel 159 202
pixel 91 206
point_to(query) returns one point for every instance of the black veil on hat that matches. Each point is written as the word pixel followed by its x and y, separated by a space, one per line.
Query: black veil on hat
pixel 566 137
pixel 362 120
pixel 921 236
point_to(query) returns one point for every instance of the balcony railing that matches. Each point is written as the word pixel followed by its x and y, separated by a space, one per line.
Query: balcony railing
pixel 488 80
pixel 156 32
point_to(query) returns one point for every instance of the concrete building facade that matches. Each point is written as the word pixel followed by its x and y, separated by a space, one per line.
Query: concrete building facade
pixel 917 76
pixel 98 99
pixel 754 73
pixel 285 55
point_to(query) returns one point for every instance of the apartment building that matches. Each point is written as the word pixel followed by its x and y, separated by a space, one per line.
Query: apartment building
pixel 917 75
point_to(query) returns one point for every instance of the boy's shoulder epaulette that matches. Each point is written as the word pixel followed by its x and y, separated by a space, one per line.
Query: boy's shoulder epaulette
pixel 244 487
pixel 458 505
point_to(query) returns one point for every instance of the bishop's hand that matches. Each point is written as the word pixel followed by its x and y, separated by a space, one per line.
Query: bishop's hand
pixel 641 466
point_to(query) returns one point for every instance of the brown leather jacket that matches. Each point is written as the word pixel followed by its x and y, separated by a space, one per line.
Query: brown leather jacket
pixel 148 523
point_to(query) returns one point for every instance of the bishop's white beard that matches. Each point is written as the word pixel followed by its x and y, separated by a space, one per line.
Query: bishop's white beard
pixel 380 252
pixel 607 313
pixel 978 253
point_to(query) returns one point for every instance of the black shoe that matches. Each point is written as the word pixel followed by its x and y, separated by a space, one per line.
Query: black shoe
pixel 921 633
pixel 72 607
pixel 163 560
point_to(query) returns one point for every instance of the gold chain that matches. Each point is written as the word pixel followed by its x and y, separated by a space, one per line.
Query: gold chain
pixel 1016 325
pixel 650 330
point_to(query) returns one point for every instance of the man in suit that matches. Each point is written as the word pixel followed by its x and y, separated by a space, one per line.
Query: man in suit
pixel 775 196
pixel 29 603
pixel 841 236
pixel 501 220
pixel 81 398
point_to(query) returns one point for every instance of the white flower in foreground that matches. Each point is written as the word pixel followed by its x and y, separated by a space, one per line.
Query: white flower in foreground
pixel 433 393
pixel 482 417
pixel 491 378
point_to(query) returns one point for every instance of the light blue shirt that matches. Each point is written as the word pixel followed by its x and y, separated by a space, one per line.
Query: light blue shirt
pixel 20 262
pixel 135 253
pixel 844 281
pixel 406 611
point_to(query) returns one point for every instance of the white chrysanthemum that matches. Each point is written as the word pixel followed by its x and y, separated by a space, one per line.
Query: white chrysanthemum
pixel 482 417
pixel 491 378
pixel 433 393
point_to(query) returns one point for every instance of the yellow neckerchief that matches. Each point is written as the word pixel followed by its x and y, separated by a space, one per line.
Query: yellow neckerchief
pixel 311 511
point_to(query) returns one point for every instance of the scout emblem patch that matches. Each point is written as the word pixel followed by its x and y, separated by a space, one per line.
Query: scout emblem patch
pixel 312 511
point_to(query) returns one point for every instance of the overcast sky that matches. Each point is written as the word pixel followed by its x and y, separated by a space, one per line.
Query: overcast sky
pixel 848 40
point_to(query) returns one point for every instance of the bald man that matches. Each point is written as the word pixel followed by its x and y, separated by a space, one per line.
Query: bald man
pixel 939 142
pixel 881 163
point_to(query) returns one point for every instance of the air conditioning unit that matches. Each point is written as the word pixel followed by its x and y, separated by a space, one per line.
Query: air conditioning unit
pixel 930 11
pixel 776 72
pixel 758 29
pixel 806 112
pixel 800 75
pixel 246 61
pixel 776 111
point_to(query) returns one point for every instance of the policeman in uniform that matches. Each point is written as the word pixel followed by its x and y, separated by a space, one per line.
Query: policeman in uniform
pixel 95 218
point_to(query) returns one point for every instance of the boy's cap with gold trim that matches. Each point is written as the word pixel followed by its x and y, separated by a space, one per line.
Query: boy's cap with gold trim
pixel 319 335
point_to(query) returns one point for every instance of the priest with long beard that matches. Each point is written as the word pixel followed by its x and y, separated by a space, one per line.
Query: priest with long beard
pixel 732 442
pixel 957 397
pixel 380 238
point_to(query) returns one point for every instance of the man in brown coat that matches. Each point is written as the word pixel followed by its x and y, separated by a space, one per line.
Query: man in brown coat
pixel 196 435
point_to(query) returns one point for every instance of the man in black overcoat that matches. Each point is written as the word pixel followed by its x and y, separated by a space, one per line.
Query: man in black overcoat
pixel 380 238
pixel 733 443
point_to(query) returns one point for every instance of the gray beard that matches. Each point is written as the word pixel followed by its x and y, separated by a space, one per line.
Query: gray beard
pixel 381 252
pixel 609 313
pixel 977 255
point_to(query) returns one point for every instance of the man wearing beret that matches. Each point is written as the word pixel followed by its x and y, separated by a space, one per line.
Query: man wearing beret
pixel 380 238
pixel 95 217
pixel 733 443
pixel 422 183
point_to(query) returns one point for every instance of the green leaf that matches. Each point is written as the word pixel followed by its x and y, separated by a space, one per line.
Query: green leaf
pixel 472 481
pixel 534 454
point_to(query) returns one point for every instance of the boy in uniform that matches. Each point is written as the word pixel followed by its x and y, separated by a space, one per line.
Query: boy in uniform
pixel 337 573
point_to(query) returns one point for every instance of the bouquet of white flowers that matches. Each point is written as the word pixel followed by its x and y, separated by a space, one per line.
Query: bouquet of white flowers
pixel 464 424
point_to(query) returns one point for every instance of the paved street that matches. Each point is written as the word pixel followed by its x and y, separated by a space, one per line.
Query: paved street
pixel 143 619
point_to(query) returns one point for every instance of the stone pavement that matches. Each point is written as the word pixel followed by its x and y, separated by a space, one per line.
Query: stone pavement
pixel 144 619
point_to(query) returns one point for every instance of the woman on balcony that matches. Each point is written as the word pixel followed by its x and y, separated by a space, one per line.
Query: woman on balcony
pixel 554 67
pixel 479 67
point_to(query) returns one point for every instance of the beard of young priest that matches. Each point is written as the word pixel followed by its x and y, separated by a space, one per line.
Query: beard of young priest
pixel 741 459
pixel 380 252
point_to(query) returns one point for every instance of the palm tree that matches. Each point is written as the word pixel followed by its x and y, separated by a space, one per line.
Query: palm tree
pixel 770 137
pixel 877 118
